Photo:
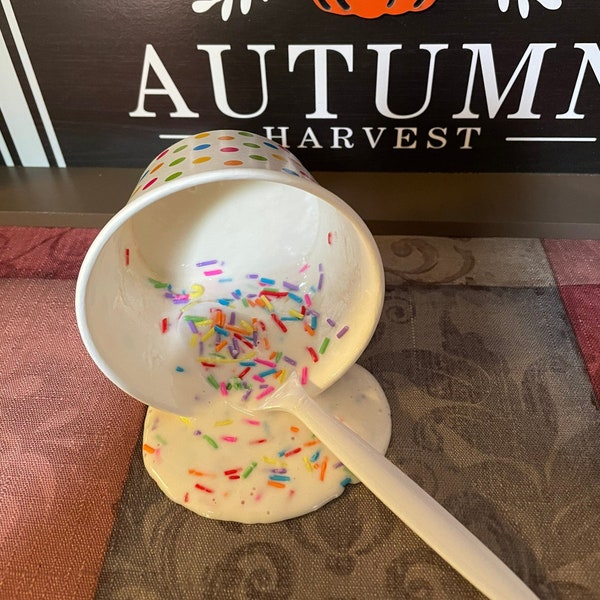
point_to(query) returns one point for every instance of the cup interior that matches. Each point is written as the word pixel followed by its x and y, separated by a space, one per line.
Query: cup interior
pixel 224 237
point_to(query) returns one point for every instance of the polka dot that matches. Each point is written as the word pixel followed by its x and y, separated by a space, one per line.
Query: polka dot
pixel 174 176
pixel 151 182
pixel 290 172
pixel 204 134
pixel 201 159
pixel 278 156
pixel 144 175
pixel 180 148
pixel 177 161
pixel 251 145
pixel 157 167
pixel 230 149
pixel 257 157
pixel 246 133
pixel 202 147
pixel 271 145
pixel 162 154
pixel 226 137
pixel 233 163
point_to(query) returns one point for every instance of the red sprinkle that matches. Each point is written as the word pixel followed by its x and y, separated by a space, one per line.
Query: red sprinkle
pixel 244 372
pixel 292 452
pixel 204 488
pixel 279 322
pixel 313 354
pixel 126 257
pixel 261 441
pixel 164 325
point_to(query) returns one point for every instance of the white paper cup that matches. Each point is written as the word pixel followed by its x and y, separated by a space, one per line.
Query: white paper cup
pixel 246 203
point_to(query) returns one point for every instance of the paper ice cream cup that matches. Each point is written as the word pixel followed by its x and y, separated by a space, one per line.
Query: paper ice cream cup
pixel 220 217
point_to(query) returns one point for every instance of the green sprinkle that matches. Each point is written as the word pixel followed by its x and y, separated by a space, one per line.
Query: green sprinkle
pixel 278 356
pixel 249 469
pixel 324 346
pixel 196 319
pixel 157 284
pixel 211 379
pixel 210 441
pixel 161 439
pixel 245 302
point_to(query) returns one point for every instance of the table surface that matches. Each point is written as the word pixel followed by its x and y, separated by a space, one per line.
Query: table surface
pixel 487 351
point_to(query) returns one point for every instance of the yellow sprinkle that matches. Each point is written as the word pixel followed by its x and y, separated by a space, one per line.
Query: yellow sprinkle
pixel 283 375
pixel 188 305
pixel 269 460
pixel 193 340
pixel 223 423
pixel 185 420
pixel 197 290
pixel 295 313
pixel 308 465
pixel 245 325
pixel 268 304
pixel 208 334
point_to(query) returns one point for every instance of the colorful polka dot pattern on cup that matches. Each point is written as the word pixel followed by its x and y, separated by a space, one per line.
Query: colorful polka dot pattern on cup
pixel 214 150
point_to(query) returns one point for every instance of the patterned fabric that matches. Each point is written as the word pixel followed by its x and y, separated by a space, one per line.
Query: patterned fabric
pixel 488 353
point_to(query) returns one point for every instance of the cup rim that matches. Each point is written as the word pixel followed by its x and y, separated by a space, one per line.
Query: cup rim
pixel 201 178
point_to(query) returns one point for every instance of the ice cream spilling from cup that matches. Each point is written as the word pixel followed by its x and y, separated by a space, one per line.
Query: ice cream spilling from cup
pixel 234 339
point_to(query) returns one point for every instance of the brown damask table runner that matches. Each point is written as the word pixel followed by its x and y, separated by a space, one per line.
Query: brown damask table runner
pixel 488 351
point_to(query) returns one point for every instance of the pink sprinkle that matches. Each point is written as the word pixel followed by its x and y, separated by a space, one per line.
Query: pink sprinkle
pixel 229 438
pixel 213 272
pixel 257 378
pixel 304 376
pixel 223 388
pixel 304 268
pixel 307 300
pixel 252 421
pixel 267 363
pixel 266 392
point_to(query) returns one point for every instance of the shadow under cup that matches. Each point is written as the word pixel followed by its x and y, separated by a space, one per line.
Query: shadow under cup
pixel 224 236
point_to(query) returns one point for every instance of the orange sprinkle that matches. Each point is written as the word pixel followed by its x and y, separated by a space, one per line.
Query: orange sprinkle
pixel 278 374
pixel 235 329
pixel 267 345
pixel 311 443
pixel 323 469
pixel 260 302
pixel 309 329
pixel 276 484
pixel 294 429
pixel 272 355
pixel 149 449
pixel 221 345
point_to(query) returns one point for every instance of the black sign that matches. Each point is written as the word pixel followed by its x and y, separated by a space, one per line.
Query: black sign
pixel 347 85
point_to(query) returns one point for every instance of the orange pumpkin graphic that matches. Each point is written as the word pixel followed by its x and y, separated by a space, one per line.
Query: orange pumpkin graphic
pixel 371 9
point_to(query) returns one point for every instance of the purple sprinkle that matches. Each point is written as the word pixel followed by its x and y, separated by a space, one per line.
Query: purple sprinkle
pixel 320 267
pixel 331 322
pixel 192 326
pixel 232 318
pixel 252 276
pixel 201 348
pixel 290 361
pixel 342 331
pixel 246 395
pixel 291 286
pixel 320 285
pixel 180 300
pixel 281 470
pixel 251 295
pixel 197 432
pixel 206 263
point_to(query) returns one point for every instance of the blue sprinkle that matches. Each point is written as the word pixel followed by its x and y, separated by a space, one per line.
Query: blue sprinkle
pixel 345 482
pixel 280 478
pixel 221 331
pixel 179 369
pixel 295 298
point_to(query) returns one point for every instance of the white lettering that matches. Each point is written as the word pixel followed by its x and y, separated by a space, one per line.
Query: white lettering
pixel 384 52
pixel 309 136
pixel 406 134
pixel 215 58
pixel 320 52
pixel 151 59
pixel 342 134
pixel 482 53
pixel 591 56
